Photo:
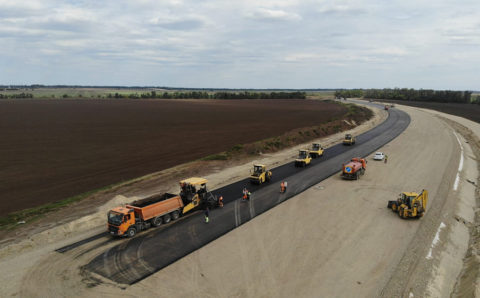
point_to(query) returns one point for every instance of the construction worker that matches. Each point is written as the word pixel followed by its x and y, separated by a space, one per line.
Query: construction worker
pixel 245 194
pixel 282 187
pixel 220 202
pixel 285 186
pixel 386 158
pixel 207 213
pixel 248 195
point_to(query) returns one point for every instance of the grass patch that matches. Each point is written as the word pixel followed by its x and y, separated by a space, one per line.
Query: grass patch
pixel 218 156
pixel 29 215
pixel 10 221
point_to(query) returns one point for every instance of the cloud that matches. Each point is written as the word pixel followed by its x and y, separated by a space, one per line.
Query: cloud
pixel 187 23
pixel 273 15
pixel 341 9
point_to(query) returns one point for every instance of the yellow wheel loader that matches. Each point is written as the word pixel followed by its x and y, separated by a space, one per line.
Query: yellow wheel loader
pixel 410 204
pixel 260 174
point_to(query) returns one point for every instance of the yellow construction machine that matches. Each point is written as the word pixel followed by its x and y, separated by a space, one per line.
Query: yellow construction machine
pixel 194 194
pixel 349 139
pixel 317 150
pixel 410 204
pixel 304 158
pixel 260 174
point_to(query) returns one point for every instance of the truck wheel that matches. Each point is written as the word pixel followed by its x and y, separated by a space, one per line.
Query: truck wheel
pixel 166 218
pixel 131 232
pixel 175 215
pixel 157 221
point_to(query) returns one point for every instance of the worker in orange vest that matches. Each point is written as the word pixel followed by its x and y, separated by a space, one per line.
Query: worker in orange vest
pixel 245 194
pixel 282 187
pixel 220 202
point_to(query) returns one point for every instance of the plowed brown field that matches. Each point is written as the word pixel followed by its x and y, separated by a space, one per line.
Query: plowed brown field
pixel 53 149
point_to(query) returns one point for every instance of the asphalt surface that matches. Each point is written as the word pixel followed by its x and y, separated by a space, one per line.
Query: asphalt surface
pixel 133 260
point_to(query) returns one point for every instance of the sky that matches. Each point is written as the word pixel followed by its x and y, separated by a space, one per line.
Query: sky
pixel 242 44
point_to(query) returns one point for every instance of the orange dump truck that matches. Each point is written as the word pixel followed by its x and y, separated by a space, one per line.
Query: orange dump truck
pixel 354 168
pixel 158 209
pixel 142 214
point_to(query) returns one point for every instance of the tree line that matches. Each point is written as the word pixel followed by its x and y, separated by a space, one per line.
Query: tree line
pixel 19 95
pixel 214 95
pixel 410 95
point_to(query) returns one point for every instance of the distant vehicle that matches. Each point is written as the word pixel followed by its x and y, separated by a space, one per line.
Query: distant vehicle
pixel 410 204
pixel 304 158
pixel 260 174
pixel 392 105
pixel 317 150
pixel 379 156
pixel 354 169
pixel 349 140
pixel 160 208
pixel 386 108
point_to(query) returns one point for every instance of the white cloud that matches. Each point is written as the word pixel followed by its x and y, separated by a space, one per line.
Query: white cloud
pixel 275 15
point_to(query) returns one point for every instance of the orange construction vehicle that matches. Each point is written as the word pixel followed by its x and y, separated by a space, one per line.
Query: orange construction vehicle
pixel 354 168
pixel 142 214
pixel 158 209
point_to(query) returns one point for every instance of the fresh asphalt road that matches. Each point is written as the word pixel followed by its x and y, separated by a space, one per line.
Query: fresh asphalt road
pixel 133 260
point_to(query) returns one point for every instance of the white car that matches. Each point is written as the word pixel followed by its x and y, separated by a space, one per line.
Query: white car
pixel 379 156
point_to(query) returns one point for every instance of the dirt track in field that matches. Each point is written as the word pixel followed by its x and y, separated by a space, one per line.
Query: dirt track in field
pixel 53 149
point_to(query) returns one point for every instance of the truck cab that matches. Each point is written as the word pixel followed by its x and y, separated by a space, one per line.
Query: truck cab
pixel 349 139
pixel 317 150
pixel 120 221
pixel 304 158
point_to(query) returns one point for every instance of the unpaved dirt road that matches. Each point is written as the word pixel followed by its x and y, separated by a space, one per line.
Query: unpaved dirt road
pixel 336 239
